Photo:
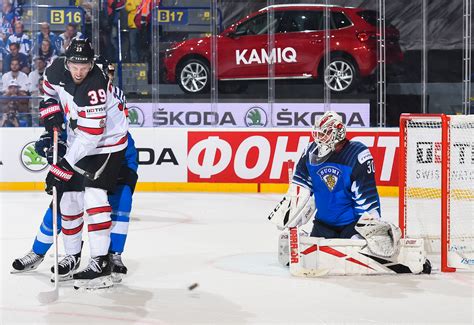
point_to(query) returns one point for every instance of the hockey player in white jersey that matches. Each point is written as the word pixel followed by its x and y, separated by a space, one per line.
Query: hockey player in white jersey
pixel 96 142
pixel 120 201
pixel 334 186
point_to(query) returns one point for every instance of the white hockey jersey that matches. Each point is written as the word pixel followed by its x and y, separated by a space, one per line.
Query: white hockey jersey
pixel 96 123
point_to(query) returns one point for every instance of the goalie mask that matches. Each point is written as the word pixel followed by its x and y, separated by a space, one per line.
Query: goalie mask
pixel 328 131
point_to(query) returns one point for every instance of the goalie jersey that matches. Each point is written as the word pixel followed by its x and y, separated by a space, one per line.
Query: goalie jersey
pixel 343 185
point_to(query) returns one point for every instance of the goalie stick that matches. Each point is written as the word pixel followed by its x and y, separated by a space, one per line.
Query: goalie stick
pixel 47 297
pixel 296 267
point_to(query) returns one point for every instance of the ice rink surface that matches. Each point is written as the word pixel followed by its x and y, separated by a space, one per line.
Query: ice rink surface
pixel 224 243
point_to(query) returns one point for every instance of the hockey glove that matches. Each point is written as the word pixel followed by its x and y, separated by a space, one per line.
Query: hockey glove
pixel 43 143
pixel 51 114
pixel 44 147
pixel 295 209
pixel 58 175
pixel 62 148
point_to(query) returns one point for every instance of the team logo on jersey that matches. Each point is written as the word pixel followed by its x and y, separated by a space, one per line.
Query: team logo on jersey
pixel 256 117
pixel 329 175
pixel 135 116
pixel 30 158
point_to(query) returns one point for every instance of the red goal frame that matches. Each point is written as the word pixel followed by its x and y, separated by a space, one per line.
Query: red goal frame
pixel 445 169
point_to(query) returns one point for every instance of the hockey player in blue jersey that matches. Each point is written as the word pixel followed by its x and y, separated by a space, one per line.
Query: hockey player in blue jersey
pixel 334 177
pixel 341 175
pixel 334 185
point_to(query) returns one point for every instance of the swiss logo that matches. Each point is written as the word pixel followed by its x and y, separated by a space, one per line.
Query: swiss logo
pixel 330 176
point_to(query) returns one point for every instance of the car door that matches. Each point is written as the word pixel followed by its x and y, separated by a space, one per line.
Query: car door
pixel 244 53
pixel 301 42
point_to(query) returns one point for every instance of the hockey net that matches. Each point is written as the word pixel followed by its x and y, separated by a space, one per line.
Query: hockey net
pixel 437 186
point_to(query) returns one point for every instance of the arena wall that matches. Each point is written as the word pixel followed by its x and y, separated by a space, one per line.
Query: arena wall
pixel 210 160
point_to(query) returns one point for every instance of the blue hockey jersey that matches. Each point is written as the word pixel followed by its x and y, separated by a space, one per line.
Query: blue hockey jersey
pixel 131 154
pixel 343 185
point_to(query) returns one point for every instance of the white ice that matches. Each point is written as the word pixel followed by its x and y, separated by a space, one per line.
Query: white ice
pixel 224 243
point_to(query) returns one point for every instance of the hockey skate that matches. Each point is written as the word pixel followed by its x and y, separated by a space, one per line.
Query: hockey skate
pixel 96 275
pixel 118 268
pixel 67 266
pixel 29 262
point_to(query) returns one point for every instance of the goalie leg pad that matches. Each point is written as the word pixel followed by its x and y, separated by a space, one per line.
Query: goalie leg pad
pixel 284 246
pixel 352 257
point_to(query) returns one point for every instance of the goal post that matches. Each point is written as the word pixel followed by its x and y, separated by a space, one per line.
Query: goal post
pixel 436 185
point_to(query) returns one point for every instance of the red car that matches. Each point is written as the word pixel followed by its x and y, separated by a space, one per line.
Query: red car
pixel 298 53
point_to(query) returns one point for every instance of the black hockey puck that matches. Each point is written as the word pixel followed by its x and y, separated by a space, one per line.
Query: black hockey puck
pixel 193 286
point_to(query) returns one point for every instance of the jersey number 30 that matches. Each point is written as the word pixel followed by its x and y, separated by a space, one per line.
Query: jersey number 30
pixel 96 96
pixel 370 167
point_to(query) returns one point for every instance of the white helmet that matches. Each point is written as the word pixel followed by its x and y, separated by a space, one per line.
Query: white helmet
pixel 328 130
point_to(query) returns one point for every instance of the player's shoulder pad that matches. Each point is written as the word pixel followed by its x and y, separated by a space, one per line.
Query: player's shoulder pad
pixel 310 147
pixel 56 72
pixel 360 152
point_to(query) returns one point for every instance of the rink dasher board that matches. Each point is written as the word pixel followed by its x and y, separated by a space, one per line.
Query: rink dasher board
pixel 212 159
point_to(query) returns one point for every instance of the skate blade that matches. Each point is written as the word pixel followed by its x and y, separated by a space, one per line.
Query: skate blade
pixel 97 283
pixel 117 277
pixel 62 278
pixel 15 271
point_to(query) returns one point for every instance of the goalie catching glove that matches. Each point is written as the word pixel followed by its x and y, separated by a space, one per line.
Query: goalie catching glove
pixel 295 209
pixel 383 238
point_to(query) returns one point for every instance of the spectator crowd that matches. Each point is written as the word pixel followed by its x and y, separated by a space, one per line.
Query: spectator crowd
pixel 24 54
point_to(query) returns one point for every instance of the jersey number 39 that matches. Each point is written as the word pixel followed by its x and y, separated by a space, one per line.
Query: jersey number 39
pixel 97 96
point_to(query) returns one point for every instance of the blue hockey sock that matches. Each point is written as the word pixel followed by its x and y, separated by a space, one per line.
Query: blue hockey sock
pixel 121 203
pixel 44 237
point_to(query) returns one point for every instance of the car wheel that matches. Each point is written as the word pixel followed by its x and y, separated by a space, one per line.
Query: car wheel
pixel 194 76
pixel 340 75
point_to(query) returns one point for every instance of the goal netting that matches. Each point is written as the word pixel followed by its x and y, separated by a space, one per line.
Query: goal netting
pixel 437 185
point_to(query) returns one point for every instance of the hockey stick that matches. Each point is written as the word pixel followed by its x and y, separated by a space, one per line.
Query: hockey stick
pixel 296 268
pixel 92 176
pixel 47 297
